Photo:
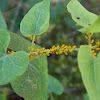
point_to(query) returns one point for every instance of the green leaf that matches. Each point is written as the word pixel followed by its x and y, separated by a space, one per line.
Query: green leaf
pixel 4 40
pixel 55 86
pixel 39 63
pixel 95 27
pixel 77 10
pixel 36 21
pixel 33 84
pixel 1 97
pixel 11 66
pixel 90 71
pixel 2 22
pixel 18 43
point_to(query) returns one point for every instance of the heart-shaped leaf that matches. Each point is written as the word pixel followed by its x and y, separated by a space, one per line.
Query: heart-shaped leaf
pixel 95 27
pixel 80 14
pixel 33 84
pixel 90 71
pixel 55 86
pixel 37 72
pixel 1 97
pixel 11 66
pixel 2 21
pixel 36 21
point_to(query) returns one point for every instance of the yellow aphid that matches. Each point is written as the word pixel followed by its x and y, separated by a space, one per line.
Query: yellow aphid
pixel 51 49
pixel 57 53
pixel 29 48
pixel 33 43
pixel 67 50
pixel 53 46
pixel 65 53
pixel 94 54
pixel 98 43
pixel 31 38
pixel 47 53
pixel 41 52
pixel 36 53
pixel 92 41
pixel 30 56
pixel 97 48
pixel 37 49
pixel 32 49
pixel 70 50
pixel 74 46
pixel 93 51
pixel 8 51
pixel 60 52
pixel 43 48
pixel 11 52
pixel 63 46
pixel 69 47
pixel 77 24
pixel 66 47
pixel 90 44
pixel 86 37
pixel 58 47
pixel 91 34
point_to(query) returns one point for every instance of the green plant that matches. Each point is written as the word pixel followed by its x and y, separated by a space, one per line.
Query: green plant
pixel 1 97
pixel 25 68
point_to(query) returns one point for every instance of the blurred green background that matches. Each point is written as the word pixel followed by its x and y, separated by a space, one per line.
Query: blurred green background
pixel 62 30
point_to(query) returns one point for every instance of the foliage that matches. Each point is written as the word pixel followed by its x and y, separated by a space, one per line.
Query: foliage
pixel 55 86
pixel 37 23
pixel 79 13
pixel 18 65
pixel 23 64
pixel 33 83
pixel 92 28
pixel 89 68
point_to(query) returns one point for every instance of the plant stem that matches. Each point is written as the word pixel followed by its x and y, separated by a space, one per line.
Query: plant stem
pixel 33 39
pixel 74 49
pixel 89 42
pixel 95 46
pixel 52 98
pixel 5 93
